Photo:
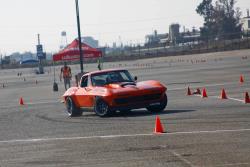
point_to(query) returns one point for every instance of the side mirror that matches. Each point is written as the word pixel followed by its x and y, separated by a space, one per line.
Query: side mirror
pixel 135 78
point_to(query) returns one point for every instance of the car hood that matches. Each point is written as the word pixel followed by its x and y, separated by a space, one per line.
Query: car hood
pixel 145 86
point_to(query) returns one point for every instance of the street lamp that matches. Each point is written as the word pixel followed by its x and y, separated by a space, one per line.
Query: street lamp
pixel 79 35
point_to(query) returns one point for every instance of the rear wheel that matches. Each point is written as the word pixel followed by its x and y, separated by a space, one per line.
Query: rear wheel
pixel 160 107
pixel 71 108
pixel 101 108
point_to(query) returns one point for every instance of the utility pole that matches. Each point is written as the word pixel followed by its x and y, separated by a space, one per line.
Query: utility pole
pixel 40 54
pixel 79 35
pixel 1 61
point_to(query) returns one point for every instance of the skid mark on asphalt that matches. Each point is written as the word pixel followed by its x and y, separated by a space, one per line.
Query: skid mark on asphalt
pixel 120 136
pixel 182 159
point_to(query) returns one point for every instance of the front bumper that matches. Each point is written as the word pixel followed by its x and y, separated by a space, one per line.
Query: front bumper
pixel 135 102
pixel 135 106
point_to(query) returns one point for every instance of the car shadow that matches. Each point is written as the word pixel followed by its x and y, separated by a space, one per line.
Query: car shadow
pixel 141 113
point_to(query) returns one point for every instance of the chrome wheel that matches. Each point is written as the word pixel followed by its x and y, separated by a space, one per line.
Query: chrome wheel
pixel 69 106
pixel 72 110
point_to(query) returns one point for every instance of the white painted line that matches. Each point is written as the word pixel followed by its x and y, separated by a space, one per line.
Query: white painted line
pixel 208 85
pixel 235 164
pixel 47 102
pixel 217 97
pixel 214 131
pixel 182 159
pixel 27 104
pixel 197 95
pixel 119 136
pixel 236 99
pixel 230 98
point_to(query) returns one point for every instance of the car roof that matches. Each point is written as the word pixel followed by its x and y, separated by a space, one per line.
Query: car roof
pixel 103 71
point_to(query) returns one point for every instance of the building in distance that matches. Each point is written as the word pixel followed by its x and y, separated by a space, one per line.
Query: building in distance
pixel 245 21
pixel 90 41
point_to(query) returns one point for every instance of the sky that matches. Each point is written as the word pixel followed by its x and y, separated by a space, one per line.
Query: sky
pixel 106 20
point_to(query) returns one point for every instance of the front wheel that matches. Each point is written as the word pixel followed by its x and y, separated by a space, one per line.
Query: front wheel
pixel 160 107
pixel 71 108
pixel 101 108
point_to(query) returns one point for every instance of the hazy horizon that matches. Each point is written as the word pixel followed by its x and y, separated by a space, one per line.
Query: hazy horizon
pixel 107 21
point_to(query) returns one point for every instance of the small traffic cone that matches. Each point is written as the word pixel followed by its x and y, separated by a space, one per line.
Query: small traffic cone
pixel 21 102
pixel 223 94
pixel 189 92
pixel 241 79
pixel 158 125
pixel 198 91
pixel 247 99
pixel 204 93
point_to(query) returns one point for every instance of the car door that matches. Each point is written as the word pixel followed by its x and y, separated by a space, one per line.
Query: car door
pixel 84 96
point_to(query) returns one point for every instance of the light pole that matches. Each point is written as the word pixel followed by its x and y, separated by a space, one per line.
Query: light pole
pixel 79 35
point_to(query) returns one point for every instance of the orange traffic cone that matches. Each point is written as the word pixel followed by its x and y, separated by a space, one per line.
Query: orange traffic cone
pixel 189 92
pixel 247 99
pixel 158 126
pixel 241 79
pixel 223 94
pixel 21 102
pixel 204 93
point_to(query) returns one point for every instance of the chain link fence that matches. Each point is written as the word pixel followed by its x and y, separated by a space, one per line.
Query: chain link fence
pixel 196 45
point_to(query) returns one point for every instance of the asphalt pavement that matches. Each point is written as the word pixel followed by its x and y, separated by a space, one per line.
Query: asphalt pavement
pixel 207 132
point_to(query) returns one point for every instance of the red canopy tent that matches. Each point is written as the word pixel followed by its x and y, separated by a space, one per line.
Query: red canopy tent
pixel 71 52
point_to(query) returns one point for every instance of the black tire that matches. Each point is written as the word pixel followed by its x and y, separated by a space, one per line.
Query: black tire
pixel 160 107
pixel 101 108
pixel 71 108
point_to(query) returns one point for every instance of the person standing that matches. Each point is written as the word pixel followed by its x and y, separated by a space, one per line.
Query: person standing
pixel 66 74
pixel 99 64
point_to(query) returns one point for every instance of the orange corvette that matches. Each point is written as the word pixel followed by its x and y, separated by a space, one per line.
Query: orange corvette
pixel 107 91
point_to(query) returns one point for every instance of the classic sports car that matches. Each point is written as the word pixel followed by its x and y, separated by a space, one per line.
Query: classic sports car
pixel 108 91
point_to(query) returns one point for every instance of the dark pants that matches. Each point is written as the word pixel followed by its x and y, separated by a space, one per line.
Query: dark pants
pixel 66 82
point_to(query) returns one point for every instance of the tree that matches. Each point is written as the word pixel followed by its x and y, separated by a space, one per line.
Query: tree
pixel 206 10
pixel 221 19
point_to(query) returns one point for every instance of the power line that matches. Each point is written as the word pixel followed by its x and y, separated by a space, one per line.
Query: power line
pixel 101 24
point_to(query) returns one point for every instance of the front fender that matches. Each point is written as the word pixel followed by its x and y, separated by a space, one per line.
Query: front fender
pixel 70 92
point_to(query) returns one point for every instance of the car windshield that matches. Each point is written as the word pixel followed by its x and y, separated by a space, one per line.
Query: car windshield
pixel 104 78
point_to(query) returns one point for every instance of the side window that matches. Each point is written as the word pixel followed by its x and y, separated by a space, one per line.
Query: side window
pixel 84 82
pixel 125 77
